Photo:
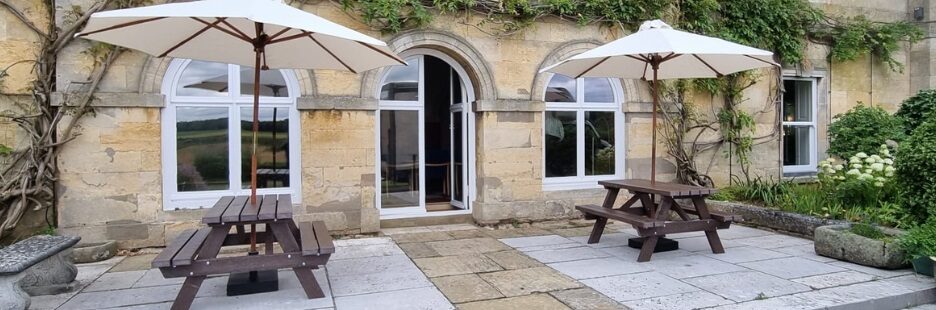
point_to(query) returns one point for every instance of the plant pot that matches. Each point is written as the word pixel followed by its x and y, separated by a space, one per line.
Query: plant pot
pixel 923 265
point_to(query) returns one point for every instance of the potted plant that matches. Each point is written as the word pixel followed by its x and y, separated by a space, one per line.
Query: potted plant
pixel 919 243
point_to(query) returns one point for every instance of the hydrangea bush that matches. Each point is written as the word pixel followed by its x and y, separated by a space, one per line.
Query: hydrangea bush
pixel 862 180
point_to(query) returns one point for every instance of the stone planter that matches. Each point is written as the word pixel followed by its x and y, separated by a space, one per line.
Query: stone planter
pixel 836 241
pixel 94 252
pixel 774 219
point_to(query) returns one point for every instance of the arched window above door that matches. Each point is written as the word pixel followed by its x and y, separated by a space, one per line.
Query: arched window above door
pixel 207 133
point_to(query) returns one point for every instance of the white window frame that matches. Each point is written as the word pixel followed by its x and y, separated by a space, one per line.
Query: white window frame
pixel 813 132
pixel 172 198
pixel 580 180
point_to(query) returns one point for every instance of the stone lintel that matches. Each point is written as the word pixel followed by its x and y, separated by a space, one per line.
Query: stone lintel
pixel 117 100
pixel 509 105
pixel 336 103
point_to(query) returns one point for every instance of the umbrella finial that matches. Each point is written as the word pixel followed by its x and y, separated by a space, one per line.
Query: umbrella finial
pixel 654 24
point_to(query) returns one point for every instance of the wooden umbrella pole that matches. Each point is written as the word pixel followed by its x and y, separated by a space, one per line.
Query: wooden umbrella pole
pixel 655 63
pixel 258 51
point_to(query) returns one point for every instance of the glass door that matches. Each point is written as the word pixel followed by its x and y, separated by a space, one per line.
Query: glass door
pixel 458 177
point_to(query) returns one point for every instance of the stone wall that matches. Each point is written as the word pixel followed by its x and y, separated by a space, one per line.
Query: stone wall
pixel 110 186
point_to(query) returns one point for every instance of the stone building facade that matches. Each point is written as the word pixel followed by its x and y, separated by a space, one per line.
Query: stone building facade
pixel 120 178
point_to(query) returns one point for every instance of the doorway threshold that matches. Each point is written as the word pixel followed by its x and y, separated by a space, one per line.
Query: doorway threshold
pixel 450 217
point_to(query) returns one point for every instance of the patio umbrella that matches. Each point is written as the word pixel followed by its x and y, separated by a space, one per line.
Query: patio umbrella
pixel 643 55
pixel 264 34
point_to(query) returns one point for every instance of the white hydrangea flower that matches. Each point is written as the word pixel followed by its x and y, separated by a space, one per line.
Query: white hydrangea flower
pixel 853 172
pixel 870 160
pixel 854 160
pixel 888 161
pixel 839 167
pixel 877 167
pixel 879 184
pixel 880 179
pixel 841 177
pixel 861 155
pixel 888 174
pixel 856 166
pixel 889 169
pixel 865 176
pixel 868 171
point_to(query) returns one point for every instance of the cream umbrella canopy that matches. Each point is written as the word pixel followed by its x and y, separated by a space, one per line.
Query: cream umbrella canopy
pixel 657 51
pixel 264 34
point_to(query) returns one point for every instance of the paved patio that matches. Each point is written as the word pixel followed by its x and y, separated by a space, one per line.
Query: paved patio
pixel 544 266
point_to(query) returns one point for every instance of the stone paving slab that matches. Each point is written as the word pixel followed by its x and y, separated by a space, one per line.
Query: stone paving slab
pixel 835 279
pixel 586 299
pixel 683 301
pixel 455 265
pixel 746 254
pixel 467 246
pixel 747 285
pixel 530 280
pixel 597 267
pixel 535 301
pixel 792 267
pixel 566 254
pixel 466 288
pixel 773 241
pixel 115 281
pixel 512 260
pixel 638 286
pixel 417 298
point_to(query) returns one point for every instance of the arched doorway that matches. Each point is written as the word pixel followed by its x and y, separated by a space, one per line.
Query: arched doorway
pixel 425 158
pixel 206 133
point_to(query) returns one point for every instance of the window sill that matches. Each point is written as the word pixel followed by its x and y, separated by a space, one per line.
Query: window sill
pixel 549 185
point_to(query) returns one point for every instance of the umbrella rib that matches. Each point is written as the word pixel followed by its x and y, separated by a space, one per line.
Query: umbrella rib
pixel 593 67
pixel 238 31
pixel 281 32
pixel 332 54
pixel 761 60
pixel 118 26
pixel 244 37
pixel 717 74
pixel 384 53
pixel 197 33
pixel 670 56
pixel 292 37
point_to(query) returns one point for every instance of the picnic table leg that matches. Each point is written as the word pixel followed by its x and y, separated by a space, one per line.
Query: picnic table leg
pixel 209 249
pixel 187 294
pixel 712 233
pixel 288 242
pixel 597 230
pixel 269 241
pixel 647 249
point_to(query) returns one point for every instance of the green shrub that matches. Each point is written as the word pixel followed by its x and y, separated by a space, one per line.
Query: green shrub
pixel 862 129
pixel 914 110
pixel 919 241
pixel 916 171
pixel 862 181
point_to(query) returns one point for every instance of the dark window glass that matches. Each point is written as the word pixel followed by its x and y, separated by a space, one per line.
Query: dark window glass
pixel 560 144
pixel 599 143
pixel 272 147
pixel 399 158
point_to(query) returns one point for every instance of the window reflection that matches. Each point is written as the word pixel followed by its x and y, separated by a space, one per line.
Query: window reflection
pixel 272 147
pixel 203 79
pixel 399 159
pixel 796 148
pixel 560 144
pixel 402 82
pixel 797 101
pixel 202 148
pixel 599 143
pixel 272 83
pixel 561 88
pixel 598 90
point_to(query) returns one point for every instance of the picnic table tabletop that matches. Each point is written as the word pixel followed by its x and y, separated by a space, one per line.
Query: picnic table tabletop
pixel 239 210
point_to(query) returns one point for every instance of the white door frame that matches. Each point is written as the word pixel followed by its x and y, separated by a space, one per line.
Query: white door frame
pixel 468 151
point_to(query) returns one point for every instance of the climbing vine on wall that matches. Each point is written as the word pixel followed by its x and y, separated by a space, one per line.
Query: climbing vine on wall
pixel 782 26
pixel 27 179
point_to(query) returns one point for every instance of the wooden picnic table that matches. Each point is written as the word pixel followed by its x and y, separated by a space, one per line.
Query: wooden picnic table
pixel 193 254
pixel 652 220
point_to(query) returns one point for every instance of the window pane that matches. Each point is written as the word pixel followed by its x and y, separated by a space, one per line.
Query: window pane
pixel 797 101
pixel 796 149
pixel 561 88
pixel 598 90
pixel 402 82
pixel 399 159
pixel 202 148
pixel 205 79
pixel 560 144
pixel 456 88
pixel 272 83
pixel 272 147
pixel 459 164
pixel 599 143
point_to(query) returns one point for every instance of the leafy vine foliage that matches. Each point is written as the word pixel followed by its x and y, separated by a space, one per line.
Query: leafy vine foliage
pixel 782 26
pixel 28 179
